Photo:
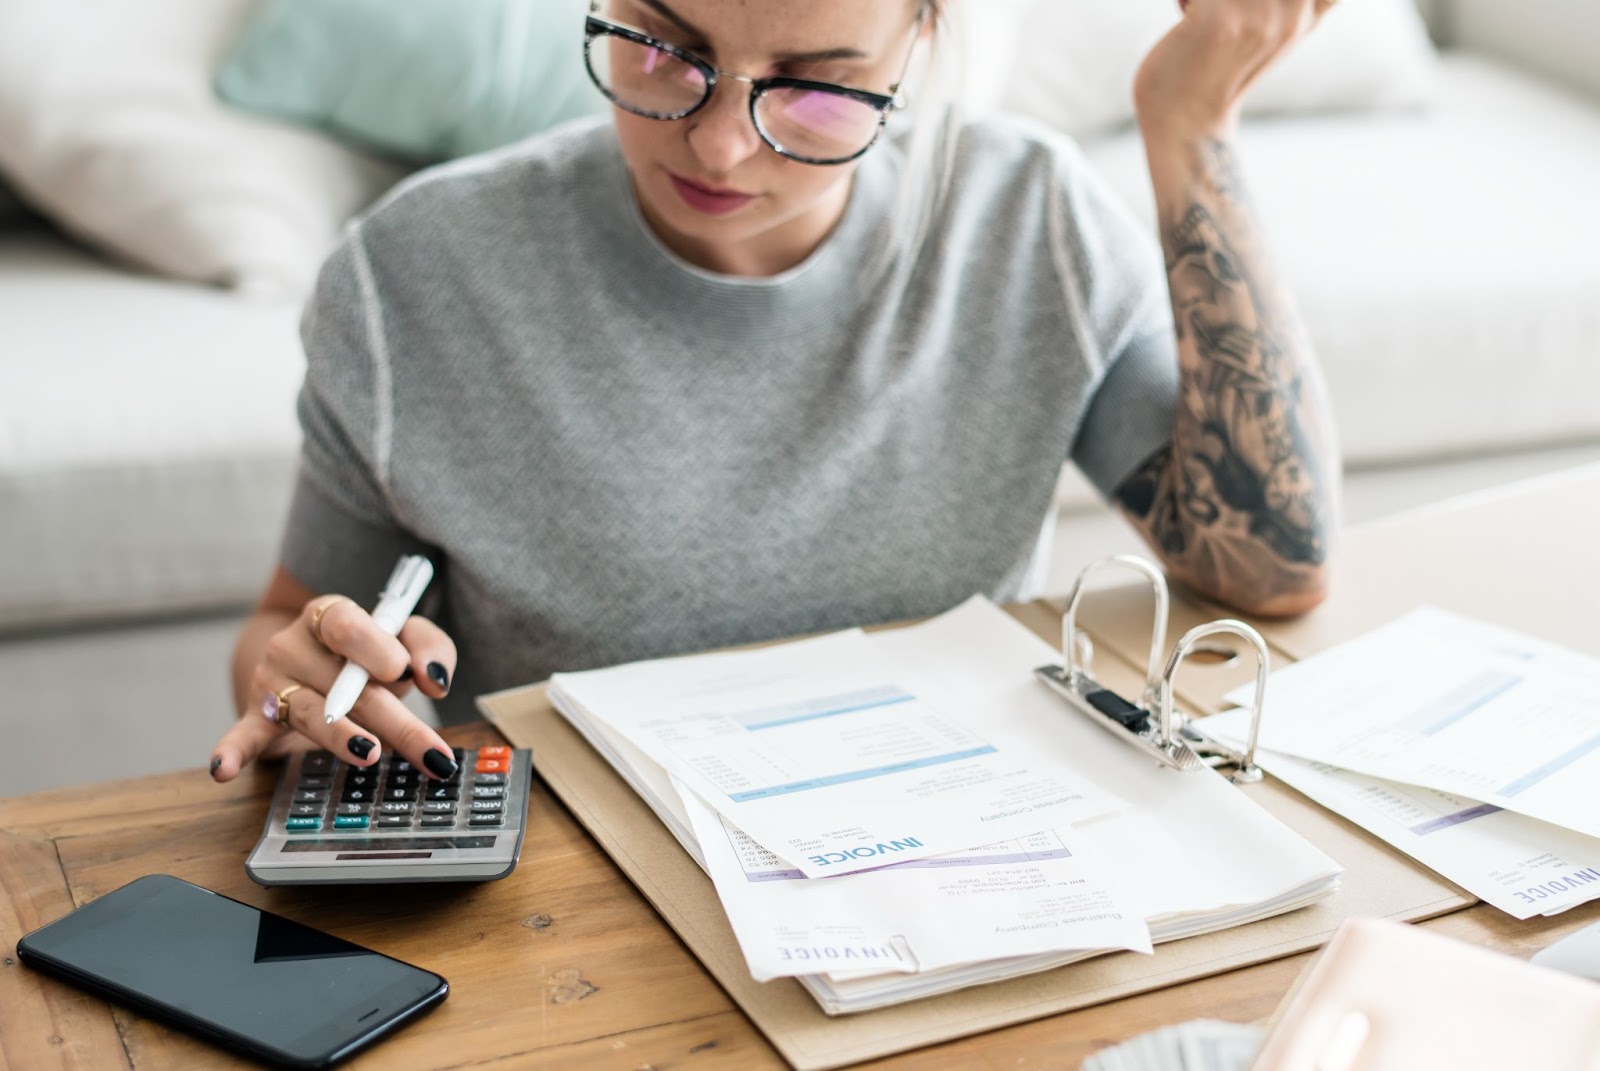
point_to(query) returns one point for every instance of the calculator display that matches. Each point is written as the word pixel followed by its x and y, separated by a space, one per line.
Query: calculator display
pixel 387 844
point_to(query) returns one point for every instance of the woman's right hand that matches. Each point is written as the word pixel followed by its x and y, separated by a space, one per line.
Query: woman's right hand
pixel 303 658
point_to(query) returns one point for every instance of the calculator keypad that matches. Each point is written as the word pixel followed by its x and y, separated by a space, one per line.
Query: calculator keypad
pixel 394 795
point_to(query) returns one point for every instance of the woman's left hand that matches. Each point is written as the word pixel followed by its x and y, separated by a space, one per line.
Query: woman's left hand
pixel 1195 78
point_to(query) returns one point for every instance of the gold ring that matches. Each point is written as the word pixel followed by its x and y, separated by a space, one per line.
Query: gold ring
pixel 316 616
pixel 276 706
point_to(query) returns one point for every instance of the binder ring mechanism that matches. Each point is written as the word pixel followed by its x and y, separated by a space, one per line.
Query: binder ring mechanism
pixel 1152 723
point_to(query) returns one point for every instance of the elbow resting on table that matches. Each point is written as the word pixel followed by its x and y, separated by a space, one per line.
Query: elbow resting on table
pixel 1289 603
pixel 1289 594
pixel 1218 532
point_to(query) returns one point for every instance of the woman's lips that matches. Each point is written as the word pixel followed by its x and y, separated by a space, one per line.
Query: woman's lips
pixel 708 199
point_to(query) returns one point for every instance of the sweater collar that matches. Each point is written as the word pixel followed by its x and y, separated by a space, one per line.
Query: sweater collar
pixel 809 296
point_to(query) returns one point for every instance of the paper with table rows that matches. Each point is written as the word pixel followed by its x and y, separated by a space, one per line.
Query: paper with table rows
pixel 1518 864
pixel 1179 854
pixel 837 758
pixel 1455 705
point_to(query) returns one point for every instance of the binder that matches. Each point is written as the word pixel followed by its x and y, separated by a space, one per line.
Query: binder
pixel 1377 882
pixel 1152 724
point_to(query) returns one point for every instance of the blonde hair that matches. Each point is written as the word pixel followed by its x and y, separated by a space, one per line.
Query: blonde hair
pixel 934 91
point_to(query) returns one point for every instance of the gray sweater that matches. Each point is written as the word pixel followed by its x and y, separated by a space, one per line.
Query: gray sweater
pixel 612 455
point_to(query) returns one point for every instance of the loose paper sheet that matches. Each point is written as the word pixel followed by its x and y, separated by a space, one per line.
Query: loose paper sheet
pixel 1518 863
pixel 1521 865
pixel 1458 706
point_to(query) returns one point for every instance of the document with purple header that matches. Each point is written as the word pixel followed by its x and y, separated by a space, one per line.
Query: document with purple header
pixel 1018 897
pixel 1173 855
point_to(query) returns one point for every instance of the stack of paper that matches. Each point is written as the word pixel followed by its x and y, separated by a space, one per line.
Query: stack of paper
pixel 1203 1045
pixel 1472 748
pixel 897 815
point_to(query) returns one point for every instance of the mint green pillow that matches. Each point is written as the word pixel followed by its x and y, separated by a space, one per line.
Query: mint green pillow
pixel 425 80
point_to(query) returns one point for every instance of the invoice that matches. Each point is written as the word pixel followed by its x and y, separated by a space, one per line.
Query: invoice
pixel 836 758
pixel 1018 897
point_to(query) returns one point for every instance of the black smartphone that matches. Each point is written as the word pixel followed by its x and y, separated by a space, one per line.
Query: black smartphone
pixel 244 978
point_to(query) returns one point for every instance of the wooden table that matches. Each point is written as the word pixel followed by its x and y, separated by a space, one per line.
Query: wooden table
pixel 563 964
pixel 560 965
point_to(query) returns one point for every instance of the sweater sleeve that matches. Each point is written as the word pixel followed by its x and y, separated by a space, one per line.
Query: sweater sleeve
pixel 342 534
pixel 1114 269
pixel 1131 412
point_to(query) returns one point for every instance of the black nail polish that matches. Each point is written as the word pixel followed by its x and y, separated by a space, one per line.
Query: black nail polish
pixel 214 764
pixel 440 764
pixel 360 746
pixel 439 675
pixel 406 674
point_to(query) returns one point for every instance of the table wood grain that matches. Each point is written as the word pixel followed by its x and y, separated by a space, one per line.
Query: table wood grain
pixel 560 965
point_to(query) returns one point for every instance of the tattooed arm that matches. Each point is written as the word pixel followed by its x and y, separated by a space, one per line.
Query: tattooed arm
pixel 1242 504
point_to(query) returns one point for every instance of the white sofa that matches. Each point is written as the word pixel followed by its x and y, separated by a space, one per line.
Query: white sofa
pixel 1444 262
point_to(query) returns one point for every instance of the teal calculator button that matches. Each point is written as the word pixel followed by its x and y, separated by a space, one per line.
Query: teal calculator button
pixel 303 824
pixel 350 821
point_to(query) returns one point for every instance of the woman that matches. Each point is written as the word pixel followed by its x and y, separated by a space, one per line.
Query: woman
pixel 733 367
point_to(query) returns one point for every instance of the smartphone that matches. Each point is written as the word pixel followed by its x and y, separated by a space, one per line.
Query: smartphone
pixel 244 978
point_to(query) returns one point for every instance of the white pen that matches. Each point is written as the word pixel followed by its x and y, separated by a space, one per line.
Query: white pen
pixel 400 595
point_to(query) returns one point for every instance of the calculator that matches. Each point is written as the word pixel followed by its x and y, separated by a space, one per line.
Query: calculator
pixel 332 823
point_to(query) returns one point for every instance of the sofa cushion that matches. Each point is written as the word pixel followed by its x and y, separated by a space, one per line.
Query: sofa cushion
pixel 147 432
pixel 147 438
pixel 428 80
pixel 108 124
pixel 1558 38
pixel 1444 262
pixel 1076 60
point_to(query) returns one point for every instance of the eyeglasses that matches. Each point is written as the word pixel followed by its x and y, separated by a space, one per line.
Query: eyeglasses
pixel 812 122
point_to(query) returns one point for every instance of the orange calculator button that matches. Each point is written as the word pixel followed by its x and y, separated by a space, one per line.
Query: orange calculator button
pixel 494 753
pixel 492 766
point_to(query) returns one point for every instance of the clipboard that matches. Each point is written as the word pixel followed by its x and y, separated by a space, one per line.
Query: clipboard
pixel 1378 881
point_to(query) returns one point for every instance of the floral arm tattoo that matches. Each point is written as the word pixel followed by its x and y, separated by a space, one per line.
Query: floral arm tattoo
pixel 1241 503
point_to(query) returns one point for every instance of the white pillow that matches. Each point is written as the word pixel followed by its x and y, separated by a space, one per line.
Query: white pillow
pixel 984 35
pixel 108 124
pixel 1076 61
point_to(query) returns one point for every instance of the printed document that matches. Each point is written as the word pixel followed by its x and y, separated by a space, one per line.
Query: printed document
pixel 1014 898
pixel 1521 865
pixel 1194 853
pixel 1454 705
pixel 1181 853
pixel 835 757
